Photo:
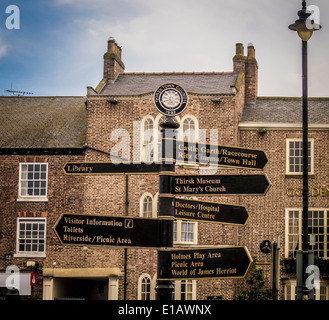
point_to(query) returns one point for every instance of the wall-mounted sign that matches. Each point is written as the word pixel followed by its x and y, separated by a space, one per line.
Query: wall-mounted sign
pixel 77 229
pixel 225 262
pixel 265 246
pixel 170 99
pixel 314 192
pixel 33 279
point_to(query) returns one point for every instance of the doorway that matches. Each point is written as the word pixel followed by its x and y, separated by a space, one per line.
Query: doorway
pixel 80 289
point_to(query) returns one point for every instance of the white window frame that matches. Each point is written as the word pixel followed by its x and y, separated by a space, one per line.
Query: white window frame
pixel 178 224
pixel 195 139
pixel 319 286
pixel 288 172
pixel 154 205
pixel 178 289
pixel 140 286
pixel 289 287
pixel 32 254
pixel 141 205
pixel 300 213
pixel 180 136
pixel 32 198
pixel 152 286
pixel 143 144
pixel 157 138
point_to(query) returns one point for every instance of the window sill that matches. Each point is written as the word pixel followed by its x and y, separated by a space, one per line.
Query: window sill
pixel 30 255
pixel 32 199
pixel 185 244
pixel 299 175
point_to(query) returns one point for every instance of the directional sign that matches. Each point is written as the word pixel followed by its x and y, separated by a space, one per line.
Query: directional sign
pixel 101 168
pixel 209 211
pixel 226 262
pixel 220 184
pixel 111 230
pixel 219 155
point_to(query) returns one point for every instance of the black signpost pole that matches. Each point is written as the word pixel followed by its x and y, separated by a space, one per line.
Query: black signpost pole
pixel 165 288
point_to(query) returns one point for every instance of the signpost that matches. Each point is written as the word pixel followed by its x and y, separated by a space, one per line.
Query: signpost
pixel 103 168
pixel 220 184
pixel 111 230
pixel 209 212
pixel 226 262
pixel 219 155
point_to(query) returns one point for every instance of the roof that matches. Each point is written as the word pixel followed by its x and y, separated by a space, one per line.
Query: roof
pixel 285 110
pixel 42 122
pixel 145 83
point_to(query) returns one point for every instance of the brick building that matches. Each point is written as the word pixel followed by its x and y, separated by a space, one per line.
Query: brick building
pixel 39 135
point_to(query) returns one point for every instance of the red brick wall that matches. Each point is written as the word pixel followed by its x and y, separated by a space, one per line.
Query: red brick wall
pixel 65 194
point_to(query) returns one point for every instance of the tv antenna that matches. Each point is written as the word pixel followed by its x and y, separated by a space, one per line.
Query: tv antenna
pixel 17 92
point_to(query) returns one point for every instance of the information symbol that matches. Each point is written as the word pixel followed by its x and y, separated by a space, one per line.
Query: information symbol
pixel 129 223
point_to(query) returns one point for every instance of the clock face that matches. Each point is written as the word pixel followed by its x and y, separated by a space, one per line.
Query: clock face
pixel 170 99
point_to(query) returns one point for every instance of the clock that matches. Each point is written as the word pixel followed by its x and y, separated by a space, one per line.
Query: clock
pixel 170 99
pixel 265 246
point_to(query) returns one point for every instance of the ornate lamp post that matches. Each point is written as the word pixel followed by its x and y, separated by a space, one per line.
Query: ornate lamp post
pixel 305 28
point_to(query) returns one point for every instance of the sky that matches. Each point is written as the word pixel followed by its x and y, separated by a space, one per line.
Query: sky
pixel 59 46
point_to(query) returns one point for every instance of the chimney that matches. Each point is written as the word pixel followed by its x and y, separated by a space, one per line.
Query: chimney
pixel 239 59
pixel 249 66
pixel 113 64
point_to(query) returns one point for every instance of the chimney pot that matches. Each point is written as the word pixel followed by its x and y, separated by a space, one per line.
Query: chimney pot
pixel 251 50
pixel 239 49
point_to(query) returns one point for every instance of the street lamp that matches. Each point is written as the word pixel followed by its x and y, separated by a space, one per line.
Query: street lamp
pixel 305 28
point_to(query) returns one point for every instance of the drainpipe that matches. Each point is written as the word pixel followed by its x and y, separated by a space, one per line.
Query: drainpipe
pixel 125 250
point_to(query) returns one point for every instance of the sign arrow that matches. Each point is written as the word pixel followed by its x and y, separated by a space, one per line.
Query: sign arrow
pixel 220 184
pixel 209 212
pixel 86 230
pixel 102 168
pixel 219 155
pixel 225 262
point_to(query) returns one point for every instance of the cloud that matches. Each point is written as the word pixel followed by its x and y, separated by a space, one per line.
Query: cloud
pixel 185 35
pixel 170 36
pixel 83 3
pixel 3 48
pixel 175 35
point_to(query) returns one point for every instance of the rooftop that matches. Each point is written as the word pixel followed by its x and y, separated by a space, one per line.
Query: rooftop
pixel 42 122
pixel 285 110
pixel 129 84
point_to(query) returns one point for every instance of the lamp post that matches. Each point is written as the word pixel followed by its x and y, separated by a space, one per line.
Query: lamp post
pixel 304 27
